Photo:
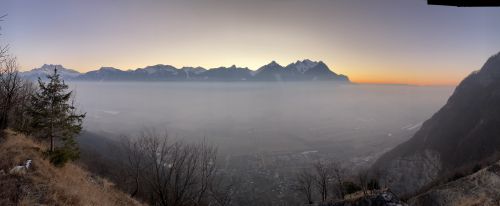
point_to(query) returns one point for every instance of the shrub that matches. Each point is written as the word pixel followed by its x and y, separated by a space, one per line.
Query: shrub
pixel 351 187
pixel 456 176
pixel 476 168
pixel 59 157
pixel 373 184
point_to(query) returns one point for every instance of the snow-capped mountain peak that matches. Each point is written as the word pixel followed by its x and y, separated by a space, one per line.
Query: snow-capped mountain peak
pixel 159 68
pixel 194 70
pixel 303 66
pixel 47 69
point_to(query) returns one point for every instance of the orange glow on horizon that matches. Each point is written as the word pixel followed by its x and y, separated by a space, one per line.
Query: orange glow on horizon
pixel 398 82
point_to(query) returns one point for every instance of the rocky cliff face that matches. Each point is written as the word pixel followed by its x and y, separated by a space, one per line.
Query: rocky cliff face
pixel 462 133
pixel 480 188
pixel 401 177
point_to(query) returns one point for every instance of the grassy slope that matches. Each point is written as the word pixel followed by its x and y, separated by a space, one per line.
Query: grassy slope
pixel 48 185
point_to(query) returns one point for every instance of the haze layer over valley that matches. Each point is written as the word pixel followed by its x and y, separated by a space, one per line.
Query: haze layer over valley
pixel 338 120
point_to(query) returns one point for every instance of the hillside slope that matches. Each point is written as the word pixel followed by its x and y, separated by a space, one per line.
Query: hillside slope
pixel 45 184
pixel 463 133
pixel 480 188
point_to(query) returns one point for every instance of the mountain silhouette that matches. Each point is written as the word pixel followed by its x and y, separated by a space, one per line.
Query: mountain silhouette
pixel 305 70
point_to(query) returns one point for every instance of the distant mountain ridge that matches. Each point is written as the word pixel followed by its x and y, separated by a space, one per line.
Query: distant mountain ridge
pixel 305 70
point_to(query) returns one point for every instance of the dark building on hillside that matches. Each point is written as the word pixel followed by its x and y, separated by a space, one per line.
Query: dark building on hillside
pixel 465 3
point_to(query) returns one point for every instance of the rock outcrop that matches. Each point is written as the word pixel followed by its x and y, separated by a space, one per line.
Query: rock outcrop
pixel 381 198
pixel 401 177
pixel 480 188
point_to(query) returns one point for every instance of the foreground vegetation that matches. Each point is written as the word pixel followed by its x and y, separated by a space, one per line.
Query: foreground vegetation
pixel 46 184
pixel 162 171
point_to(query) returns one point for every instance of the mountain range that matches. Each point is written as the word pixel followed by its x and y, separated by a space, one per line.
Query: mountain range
pixel 305 70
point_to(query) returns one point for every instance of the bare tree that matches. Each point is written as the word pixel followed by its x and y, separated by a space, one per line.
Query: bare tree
pixel 223 189
pixel 322 176
pixel 174 172
pixel 10 84
pixel 338 174
pixel 135 162
pixel 381 176
pixel 8 72
pixel 305 185
pixel 185 170
pixel 158 172
pixel 20 118
pixel 208 169
pixel 14 92
pixel 3 48
pixel 363 178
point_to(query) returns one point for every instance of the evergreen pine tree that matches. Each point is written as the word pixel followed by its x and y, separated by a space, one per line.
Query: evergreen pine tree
pixel 54 117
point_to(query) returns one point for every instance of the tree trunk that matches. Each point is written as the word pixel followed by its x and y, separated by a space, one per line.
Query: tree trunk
pixel 3 122
pixel 51 136
pixel 136 190
pixel 51 143
pixel 4 117
pixel 52 125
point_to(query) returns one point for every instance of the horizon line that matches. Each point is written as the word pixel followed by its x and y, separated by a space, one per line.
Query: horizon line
pixel 365 82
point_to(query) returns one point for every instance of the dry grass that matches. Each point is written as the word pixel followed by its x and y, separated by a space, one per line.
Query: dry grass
pixel 47 185
pixel 472 202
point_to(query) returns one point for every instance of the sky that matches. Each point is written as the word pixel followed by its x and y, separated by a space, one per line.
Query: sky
pixel 379 41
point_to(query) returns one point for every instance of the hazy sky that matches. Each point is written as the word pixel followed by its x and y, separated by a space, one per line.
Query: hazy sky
pixel 390 41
